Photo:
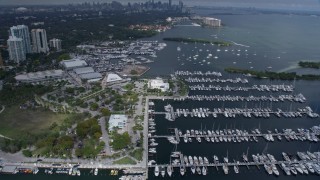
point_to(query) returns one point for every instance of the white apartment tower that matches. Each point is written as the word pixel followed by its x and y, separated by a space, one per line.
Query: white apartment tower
pixel 55 43
pixel 16 49
pixel 22 31
pixel 39 41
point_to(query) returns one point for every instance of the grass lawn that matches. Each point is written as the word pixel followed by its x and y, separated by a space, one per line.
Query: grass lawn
pixel 137 154
pixel 14 120
pixel 125 160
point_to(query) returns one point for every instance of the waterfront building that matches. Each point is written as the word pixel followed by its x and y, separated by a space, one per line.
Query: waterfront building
pixel 91 77
pixel 83 70
pixel 16 49
pixel 212 21
pixel 158 83
pixel 113 78
pixel 22 31
pixel 118 121
pixel 40 76
pixel 73 64
pixel 39 41
pixel 55 44
pixel 1 61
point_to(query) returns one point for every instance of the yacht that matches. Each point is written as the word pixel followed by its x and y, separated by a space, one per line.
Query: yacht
pixel 236 168
pixel 198 169
pixel 162 171
pixel 156 171
pixel 169 170
pixel 204 170
pixel 193 169
pixel 190 160
pixel 215 159
pixel 225 169
pixel 285 169
pixel 268 169
pixel 182 170
pixel 95 171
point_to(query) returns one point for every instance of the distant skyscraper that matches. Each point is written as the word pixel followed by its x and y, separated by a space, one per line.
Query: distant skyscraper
pixel 39 41
pixel 170 3
pixel 1 61
pixel 22 31
pixel 16 49
pixel 55 43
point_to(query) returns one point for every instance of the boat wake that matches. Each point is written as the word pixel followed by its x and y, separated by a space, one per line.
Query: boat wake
pixel 237 44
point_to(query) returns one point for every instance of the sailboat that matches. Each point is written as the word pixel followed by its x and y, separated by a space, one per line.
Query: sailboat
pixel 182 170
pixel 204 170
pixel 156 171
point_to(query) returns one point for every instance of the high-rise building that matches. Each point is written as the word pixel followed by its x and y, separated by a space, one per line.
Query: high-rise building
pixel 170 3
pixel 1 61
pixel 22 31
pixel 39 41
pixel 16 49
pixel 55 43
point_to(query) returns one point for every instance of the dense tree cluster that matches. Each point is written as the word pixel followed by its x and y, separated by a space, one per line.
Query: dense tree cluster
pixel 120 141
pixel 89 128
pixel 274 75
pixel 305 64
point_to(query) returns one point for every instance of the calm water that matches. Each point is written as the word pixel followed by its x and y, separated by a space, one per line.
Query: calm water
pixel 275 42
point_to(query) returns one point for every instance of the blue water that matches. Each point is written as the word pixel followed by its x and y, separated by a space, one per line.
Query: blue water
pixel 276 42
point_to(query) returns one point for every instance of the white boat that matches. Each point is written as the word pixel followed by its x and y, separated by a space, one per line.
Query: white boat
pixel 198 169
pixel 204 170
pixel 193 169
pixel 95 171
pixel 225 169
pixel 169 170
pixel 156 171
pixel 236 168
pixel 78 173
pixel 162 171
pixel 182 170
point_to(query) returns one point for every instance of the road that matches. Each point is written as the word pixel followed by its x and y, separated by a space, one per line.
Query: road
pixel 105 136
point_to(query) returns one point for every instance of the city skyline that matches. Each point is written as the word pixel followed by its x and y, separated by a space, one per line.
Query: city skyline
pixel 313 5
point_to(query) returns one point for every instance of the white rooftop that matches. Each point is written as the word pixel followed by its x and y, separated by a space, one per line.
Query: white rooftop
pixel 73 63
pixel 33 76
pixel 117 120
pixel 83 70
pixel 113 77
pixel 93 75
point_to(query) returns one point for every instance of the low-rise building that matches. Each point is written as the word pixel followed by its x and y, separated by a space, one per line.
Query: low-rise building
pixel 118 121
pixel 73 63
pixel 113 78
pixel 40 76
pixel 212 21
pixel 83 70
pixel 91 77
pixel 158 83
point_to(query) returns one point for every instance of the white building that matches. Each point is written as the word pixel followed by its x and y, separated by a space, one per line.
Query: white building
pixel 55 44
pixel 73 63
pixel 22 31
pixel 40 76
pixel 83 70
pixel 117 120
pixel 212 21
pixel 91 77
pixel 113 78
pixel 158 84
pixel 16 49
pixel 39 41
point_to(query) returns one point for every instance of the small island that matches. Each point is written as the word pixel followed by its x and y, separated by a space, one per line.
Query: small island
pixel 308 64
pixel 273 75
pixel 193 40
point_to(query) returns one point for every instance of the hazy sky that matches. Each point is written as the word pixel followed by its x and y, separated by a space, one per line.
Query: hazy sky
pixel 274 4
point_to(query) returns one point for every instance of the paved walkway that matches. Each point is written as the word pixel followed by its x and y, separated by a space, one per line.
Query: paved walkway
pixel 105 136
pixel 2 109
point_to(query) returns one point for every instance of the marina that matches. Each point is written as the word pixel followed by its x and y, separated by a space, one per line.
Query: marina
pixel 295 163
